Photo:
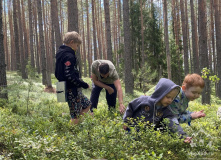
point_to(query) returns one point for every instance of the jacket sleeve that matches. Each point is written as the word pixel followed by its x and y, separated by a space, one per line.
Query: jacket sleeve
pixel 133 107
pixel 70 71
pixel 128 113
pixel 175 127
pixel 185 117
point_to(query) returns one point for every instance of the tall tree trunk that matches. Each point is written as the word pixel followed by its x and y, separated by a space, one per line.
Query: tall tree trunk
pixel 17 51
pixel 119 26
pixel 3 80
pixel 104 45
pixel 55 23
pixel 5 33
pixel 212 36
pixel 88 39
pixel 194 40
pixel 48 58
pixel 108 30
pixel 177 77
pixel 31 35
pixel 166 39
pixel 61 19
pixel 203 48
pixel 84 45
pixel 99 56
pixel 114 26
pixel 25 44
pixel 218 46
pixel 38 50
pixel 21 44
pixel 73 24
pixel 41 36
pixel 94 29
pixel 185 40
pixel 142 34
pixel 13 56
pixel 71 16
pixel 129 81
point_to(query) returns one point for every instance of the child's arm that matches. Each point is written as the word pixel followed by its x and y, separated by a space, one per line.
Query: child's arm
pixel 198 114
pixel 185 117
pixel 131 108
pixel 175 127
pixel 128 113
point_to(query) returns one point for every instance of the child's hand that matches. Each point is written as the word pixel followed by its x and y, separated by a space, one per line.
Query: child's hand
pixel 198 114
pixel 188 140
pixel 124 127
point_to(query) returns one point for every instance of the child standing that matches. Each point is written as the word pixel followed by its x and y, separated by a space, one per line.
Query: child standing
pixel 192 88
pixel 154 108
pixel 67 70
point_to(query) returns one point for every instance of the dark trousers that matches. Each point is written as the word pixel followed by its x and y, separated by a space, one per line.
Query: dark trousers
pixel 111 99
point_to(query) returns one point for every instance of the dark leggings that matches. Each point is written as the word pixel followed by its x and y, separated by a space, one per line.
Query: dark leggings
pixel 111 99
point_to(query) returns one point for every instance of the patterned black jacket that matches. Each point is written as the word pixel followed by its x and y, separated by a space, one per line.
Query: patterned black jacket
pixel 66 69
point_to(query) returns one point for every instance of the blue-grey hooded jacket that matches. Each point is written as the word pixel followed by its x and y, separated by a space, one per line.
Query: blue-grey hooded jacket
pixel 145 106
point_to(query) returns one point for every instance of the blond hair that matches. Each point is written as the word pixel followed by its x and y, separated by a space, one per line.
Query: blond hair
pixel 69 36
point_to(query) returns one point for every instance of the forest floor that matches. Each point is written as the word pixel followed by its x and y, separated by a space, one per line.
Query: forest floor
pixel 33 125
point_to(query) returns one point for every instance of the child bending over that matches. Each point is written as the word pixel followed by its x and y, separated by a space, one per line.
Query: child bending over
pixel 192 88
pixel 154 108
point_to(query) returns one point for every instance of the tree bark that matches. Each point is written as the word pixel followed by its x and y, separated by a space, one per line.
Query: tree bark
pixel 25 44
pixel 21 44
pixel 7 55
pixel 129 81
pixel 13 56
pixel 41 37
pixel 37 55
pixel 166 39
pixel 88 39
pixel 3 80
pixel 218 46
pixel 17 51
pixel 185 40
pixel 108 30
pixel 212 29
pixel 142 35
pixel 55 23
pixel 94 29
pixel 203 48
pixel 31 35
pixel 194 40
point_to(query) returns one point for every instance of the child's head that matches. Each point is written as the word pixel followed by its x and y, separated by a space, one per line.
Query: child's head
pixel 192 86
pixel 72 39
pixel 169 97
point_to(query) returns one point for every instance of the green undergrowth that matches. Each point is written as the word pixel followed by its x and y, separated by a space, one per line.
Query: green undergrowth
pixel 33 125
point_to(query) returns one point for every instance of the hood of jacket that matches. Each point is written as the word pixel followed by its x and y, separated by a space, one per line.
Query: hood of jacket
pixel 163 87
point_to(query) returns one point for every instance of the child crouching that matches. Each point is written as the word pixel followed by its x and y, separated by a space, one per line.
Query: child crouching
pixel 154 109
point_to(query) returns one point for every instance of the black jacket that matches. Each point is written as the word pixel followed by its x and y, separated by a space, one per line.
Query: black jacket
pixel 66 68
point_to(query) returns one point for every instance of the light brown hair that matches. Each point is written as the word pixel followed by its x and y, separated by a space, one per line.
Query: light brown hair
pixel 69 36
pixel 193 80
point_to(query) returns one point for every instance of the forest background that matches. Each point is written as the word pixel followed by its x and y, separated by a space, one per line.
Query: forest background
pixel 145 39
